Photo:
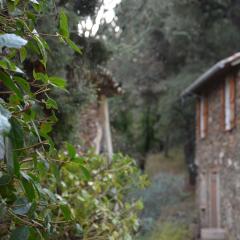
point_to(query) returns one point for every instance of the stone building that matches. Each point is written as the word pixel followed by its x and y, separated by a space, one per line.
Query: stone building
pixel 217 155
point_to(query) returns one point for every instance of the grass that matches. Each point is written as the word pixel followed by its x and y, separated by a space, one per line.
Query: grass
pixel 174 163
pixel 168 205
pixel 168 231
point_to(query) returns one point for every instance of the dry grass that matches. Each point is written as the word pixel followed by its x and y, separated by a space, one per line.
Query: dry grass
pixel 174 163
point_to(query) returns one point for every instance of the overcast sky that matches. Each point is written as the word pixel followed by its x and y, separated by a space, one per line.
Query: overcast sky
pixel 90 26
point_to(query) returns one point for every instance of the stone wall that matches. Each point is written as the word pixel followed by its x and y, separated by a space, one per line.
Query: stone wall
pixel 220 151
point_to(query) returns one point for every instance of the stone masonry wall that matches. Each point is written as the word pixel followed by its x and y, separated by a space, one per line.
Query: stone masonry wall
pixel 221 149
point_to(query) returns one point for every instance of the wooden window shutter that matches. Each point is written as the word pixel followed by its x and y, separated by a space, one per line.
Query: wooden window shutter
pixel 198 117
pixel 222 117
pixel 205 115
pixel 203 191
pixel 233 101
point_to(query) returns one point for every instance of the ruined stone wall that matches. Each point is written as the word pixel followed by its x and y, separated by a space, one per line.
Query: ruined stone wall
pixel 90 127
pixel 220 150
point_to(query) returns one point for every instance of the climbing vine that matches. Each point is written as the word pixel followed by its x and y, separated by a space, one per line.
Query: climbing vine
pixel 47 193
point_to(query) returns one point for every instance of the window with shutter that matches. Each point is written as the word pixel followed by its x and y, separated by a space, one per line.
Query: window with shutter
pixel 203 116
pixel 198 117
pixel 233 101
pixel 229 103
pixel 203 191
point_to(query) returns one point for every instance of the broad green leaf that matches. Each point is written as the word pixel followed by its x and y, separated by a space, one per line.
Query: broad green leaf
pixel 51 104
pixel 63 24
pixel 20 233
pixel 40 76
pixel 85 173
pixel 73 45
pixel 45 128
pixel 21 206
pixel 41 47
pixel 16 134
pixel 28 186
pixel 35 234
pixel 57 82
pixel 5 179
pixel 23 54
pixel 4 65
pixel 12 162
pixel 11 40
pixel 71 150
pixel 66 211
pixel 8 82
pixel 22 83
pixel 8 65
pixel 78 160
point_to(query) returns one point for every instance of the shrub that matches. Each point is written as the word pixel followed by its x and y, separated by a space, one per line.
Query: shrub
pixel 96 191
pixel 46 193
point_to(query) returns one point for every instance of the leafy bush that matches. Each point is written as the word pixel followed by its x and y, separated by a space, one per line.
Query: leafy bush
pixel 96 190
pixel 46 193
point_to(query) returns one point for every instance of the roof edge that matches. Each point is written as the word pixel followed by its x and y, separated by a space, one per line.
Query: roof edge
pixel 231 62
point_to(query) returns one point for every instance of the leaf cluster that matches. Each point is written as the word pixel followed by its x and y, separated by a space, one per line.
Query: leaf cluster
pixel 39 186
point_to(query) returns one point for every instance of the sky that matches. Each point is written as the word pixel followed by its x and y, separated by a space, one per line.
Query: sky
pixel 90 26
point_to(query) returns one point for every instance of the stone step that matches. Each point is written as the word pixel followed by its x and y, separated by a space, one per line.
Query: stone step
pixel 213 234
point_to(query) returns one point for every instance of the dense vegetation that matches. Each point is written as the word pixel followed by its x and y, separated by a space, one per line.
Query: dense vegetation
pixel 162 48
pixel 50 191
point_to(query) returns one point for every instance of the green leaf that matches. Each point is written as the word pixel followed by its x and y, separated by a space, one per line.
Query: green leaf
pixel 73 45
pixel 51 104
pixel 20 233
pixel 5 63
pixel 41 47
pixel 66 211
pixel 16 134
pixel 23 54
pixel 63 24
pixel 13 166
pixel 5 179
pixel 85 173
pixel 9 156
pixel 71 150
pixel 28 186
pixel 35 234
pixel 45 128
pixel 57 82
pixel 22 83
pixel 40 76
pixel 21 206
pixel 79 160
pixel 8 82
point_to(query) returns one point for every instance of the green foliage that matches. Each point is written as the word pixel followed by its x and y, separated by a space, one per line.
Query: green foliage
pixel 96 192
pixel 46 193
